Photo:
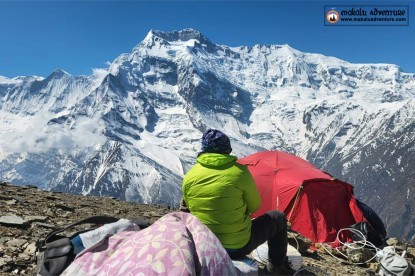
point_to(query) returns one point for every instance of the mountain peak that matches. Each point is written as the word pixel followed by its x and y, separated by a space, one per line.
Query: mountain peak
pixel 160 38
pixel 182 35
pixel 155 37
pixel 59 73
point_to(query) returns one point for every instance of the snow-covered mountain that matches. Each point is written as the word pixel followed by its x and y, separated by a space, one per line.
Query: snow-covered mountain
pixel 133 130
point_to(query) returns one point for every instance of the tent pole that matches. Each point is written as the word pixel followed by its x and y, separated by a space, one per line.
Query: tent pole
pixel 295 202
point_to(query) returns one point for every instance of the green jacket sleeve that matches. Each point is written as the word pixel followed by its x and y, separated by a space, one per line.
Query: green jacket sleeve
pixel 251 194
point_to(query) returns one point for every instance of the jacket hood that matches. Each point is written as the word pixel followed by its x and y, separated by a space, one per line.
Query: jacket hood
pixel 215 159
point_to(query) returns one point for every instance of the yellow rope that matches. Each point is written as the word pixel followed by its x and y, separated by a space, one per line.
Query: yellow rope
pixel 295 202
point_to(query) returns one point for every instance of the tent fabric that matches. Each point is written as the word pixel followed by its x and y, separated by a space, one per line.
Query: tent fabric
pixel 316 204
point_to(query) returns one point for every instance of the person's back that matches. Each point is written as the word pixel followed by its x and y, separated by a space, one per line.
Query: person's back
pixel 222 194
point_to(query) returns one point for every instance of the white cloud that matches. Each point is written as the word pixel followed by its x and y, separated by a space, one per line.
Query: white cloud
pixel 99 72
pixel 5 80
pixel 33 135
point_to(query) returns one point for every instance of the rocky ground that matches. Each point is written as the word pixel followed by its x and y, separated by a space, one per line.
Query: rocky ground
pixel 27 214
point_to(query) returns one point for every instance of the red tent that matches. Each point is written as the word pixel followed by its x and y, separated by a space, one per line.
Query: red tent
pixel 316 204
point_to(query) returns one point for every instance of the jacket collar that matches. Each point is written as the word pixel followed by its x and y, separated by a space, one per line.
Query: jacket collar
pixel 215 159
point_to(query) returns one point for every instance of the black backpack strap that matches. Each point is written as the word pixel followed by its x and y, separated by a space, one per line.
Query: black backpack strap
pixel 93 220
pixel 55 252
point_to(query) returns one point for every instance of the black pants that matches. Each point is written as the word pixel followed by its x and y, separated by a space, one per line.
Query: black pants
pixel 271 227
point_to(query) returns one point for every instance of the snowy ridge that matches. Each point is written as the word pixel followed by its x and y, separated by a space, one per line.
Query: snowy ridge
pixel 133 130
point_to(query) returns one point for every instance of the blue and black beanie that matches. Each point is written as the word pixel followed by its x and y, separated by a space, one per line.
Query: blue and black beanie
pixel 215 141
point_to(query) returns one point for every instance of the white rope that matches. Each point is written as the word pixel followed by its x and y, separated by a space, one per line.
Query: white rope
pixel 352 245
pixel 292 235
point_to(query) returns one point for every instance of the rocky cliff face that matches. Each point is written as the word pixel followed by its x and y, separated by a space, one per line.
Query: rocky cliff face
pixel 132 130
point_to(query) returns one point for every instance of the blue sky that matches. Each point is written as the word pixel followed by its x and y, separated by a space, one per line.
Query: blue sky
pixel 37 37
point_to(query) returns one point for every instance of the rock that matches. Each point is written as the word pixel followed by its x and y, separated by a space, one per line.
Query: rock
pixel 51 197
pixel 6 268
pixel 12 220
pixel 24 256
pixel 11 202
pixel 46 225
pixel 324 248
pixel 67 214
pixel 358 254
pixel 152 214
pixel 30 249
pixel 16 242
pixel 373 266
pixel 6 260
pixel 32 186
pixel 19 199
pixel 392 241
pixel 5 197
pixel 65 208
pixel 3 240
pixel 49 213
pixel 36 218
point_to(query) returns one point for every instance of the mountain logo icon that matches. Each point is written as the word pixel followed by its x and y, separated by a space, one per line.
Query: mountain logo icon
pixel 332 16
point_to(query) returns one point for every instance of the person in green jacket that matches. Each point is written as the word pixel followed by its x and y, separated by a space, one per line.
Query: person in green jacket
pixel 222 194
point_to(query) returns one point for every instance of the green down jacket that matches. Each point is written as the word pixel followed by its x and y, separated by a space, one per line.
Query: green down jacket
pixel 222 194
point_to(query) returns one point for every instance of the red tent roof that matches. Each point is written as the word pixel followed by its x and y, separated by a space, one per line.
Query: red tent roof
pixel 316 204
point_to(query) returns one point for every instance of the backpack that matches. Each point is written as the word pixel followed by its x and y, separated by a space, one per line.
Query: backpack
pixel 390 263
pixel 373 218
pixel 369 233
pixel 56 252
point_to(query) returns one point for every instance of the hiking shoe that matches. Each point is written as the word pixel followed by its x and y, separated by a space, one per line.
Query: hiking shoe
pixel 284 269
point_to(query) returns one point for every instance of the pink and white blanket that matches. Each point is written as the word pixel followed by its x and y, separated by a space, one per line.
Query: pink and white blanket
pixel 176 244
